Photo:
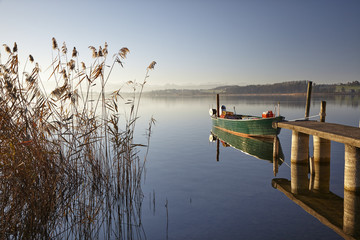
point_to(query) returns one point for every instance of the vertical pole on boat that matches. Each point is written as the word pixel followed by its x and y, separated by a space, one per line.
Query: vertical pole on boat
pixel 217 105
pixel 308 99
pixel 278 110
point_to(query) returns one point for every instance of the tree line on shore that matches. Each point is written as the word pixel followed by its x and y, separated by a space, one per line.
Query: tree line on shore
pixel 291 87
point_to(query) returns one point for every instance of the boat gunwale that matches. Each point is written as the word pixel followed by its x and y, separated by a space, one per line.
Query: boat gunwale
pixel 256 118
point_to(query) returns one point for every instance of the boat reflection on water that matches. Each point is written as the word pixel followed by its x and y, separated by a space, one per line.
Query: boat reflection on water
pixel 268 149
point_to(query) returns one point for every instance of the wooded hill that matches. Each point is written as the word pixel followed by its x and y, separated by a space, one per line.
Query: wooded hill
pixel 292 87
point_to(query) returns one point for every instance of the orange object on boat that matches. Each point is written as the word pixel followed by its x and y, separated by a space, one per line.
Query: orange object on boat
pixel 225 114
pixel 267 114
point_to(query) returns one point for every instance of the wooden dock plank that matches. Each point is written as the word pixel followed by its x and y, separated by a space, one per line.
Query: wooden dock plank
pixel 331 131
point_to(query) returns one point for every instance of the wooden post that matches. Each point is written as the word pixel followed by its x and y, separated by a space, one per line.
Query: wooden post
pixel 217 105
pixel 308 100
pixel 299 162
pixel 322 111
pixel 351 220
pixel 352 168
pixel 322 150
pixel 276 156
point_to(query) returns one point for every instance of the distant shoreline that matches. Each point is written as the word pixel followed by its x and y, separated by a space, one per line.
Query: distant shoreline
pixel 284 89
pixel 290 94
pixel 293 88
pixel 150 94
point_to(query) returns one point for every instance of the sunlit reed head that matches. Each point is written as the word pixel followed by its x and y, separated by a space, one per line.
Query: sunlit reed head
pixel 7 49
pixel 74 53
pixel 64 48
pixel 54 43
pixel 152 65
pixel 15 48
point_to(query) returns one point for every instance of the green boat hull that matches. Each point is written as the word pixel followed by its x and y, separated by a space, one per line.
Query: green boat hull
pixel 248 126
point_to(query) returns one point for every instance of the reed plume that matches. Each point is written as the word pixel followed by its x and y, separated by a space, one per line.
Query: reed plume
pixel 152 65
pixel 15 49
pixel 54 43
pixel 74 52
pixel 100 52
pixel 69 164
pixel 123 52
pixel 64 48
pixel 7 49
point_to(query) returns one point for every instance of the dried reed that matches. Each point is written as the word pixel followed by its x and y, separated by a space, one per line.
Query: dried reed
pixel 68 163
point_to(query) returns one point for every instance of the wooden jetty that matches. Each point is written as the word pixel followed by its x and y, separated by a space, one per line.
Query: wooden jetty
pixel 323 133
pixel 331 131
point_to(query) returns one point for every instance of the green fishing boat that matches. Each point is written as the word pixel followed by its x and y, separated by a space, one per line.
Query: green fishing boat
pixel 246 125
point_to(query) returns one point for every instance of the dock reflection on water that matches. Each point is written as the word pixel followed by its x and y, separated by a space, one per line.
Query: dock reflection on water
pixel 340 214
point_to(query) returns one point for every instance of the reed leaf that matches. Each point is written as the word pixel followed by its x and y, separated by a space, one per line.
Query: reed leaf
pixel 65 169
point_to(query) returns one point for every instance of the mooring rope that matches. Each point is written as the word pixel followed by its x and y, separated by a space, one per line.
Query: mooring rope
pixel 299 119
pixel 283 160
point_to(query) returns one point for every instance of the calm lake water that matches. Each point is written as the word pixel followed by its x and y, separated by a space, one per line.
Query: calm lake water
pixel 190 195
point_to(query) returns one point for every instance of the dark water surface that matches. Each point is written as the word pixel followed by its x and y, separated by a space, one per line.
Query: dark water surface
pixel 189 195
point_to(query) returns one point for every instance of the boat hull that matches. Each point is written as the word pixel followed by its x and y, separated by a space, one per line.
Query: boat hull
pixel 251 126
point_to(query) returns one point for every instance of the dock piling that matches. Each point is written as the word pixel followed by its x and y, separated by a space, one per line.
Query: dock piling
pixel 352 168
pixel 322 111
pixel 351 221
pixel 299 162
pixel 308 100
pixel 322 150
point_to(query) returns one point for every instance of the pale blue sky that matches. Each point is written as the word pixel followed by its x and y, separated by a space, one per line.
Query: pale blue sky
pixel 198 41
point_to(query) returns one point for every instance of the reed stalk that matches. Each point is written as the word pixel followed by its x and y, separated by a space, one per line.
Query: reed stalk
pixel 67 168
